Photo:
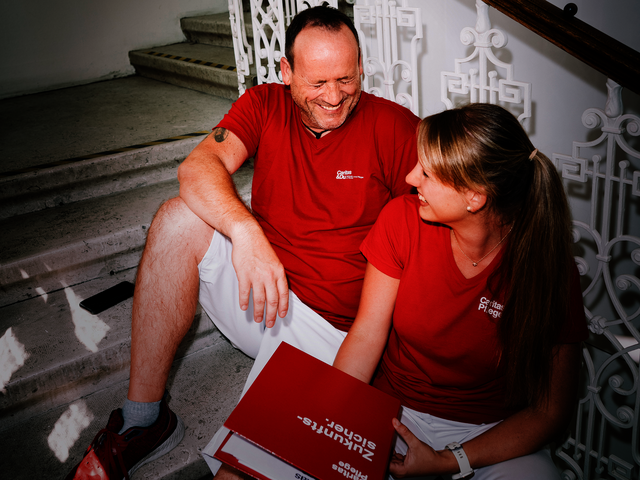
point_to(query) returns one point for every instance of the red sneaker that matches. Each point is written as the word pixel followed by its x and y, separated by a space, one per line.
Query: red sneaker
pixel 115 457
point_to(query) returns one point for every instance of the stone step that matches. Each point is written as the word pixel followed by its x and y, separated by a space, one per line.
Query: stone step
pixel 204 386
pixel 98 139
pixel 71 353
pixel 46 251
pixel 73 180
pixel 213 29
pixel 206 68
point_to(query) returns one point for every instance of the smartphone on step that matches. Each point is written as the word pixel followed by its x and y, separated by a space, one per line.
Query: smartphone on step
pixel 107 299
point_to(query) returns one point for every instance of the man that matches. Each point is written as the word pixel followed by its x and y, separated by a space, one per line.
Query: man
pixel 327 159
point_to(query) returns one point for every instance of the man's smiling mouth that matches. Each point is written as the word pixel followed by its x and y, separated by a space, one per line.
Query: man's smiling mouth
pixel 330 107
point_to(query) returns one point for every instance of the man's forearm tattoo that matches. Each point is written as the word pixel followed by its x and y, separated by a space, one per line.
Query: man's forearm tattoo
pixel 220 134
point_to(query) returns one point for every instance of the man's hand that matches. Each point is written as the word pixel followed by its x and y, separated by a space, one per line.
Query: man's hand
pixel 259 269
pixel 420 459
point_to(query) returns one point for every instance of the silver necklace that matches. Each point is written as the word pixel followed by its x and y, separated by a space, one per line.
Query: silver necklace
pixel 475 264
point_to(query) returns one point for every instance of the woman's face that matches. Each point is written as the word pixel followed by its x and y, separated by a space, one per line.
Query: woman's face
pixel 439 202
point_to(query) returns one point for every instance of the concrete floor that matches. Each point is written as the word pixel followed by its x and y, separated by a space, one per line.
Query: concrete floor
pixel 72 122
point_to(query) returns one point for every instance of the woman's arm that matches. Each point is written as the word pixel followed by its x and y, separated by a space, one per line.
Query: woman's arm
pixel 523 433
pixel 362 348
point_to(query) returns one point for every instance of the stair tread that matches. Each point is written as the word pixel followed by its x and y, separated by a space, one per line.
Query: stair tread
pixel 26 235
pixel 54 229
pixel 197 51
pixel 103 116
pixel 81 234
pixel 45 325
pixel 71 352
pixel 213 23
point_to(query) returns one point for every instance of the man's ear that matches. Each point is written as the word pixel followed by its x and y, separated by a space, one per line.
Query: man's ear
pixel 286 71
pixel 360 62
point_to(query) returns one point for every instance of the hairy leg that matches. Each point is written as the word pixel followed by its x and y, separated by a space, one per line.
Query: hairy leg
pixel 227 472
pixel 166 296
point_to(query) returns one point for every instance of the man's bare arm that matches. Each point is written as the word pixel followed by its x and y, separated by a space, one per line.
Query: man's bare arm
pixel 207 188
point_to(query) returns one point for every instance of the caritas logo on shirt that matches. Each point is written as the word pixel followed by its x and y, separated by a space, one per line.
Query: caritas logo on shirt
pixel 346 175
pixel 492 307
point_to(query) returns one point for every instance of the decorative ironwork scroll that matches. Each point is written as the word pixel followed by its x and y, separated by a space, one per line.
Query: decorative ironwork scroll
pixel 604 440
pixel 484 84
pixel 380 50
pixel 267 20
pixel 241 48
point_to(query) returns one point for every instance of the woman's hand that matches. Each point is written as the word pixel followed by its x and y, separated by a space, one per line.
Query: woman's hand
pixel 420 459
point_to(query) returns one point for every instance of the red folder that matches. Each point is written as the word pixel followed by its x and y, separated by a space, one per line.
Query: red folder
pixel 303 419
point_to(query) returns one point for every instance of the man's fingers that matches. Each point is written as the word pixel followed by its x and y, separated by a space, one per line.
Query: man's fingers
pixel 283 292
pixel 272 304
pixel 259 299
pixel 244 288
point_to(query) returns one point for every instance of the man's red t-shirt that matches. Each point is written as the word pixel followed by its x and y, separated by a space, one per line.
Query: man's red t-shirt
pixel 316 199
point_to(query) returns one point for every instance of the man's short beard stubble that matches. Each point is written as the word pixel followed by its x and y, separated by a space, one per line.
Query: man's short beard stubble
pixel 309 112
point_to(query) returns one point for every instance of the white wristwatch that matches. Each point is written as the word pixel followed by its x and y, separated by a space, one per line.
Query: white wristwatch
pixel 463 462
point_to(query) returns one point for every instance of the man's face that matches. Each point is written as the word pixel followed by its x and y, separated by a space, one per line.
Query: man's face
pixel 326 82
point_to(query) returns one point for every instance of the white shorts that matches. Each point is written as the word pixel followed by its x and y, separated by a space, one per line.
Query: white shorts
pixel 438 432
pixel 302 327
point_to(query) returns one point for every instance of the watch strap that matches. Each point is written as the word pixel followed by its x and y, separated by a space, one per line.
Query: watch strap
pixel 463 462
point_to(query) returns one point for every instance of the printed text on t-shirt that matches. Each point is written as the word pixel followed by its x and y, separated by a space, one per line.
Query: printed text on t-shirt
pixel 492 307
pixel 346 175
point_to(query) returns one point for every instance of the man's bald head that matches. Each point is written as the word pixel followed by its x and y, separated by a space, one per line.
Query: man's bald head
pixel 328 18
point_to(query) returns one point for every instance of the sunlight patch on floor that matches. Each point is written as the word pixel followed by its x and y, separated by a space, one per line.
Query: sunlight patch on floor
pixel 90 330
pixel 39 290
pixel 12 357
pixel 68 428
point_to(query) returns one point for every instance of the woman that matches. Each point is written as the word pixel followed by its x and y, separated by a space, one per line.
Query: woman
pixel 471 304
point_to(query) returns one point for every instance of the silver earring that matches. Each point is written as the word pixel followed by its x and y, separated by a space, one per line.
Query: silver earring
pixel 469 209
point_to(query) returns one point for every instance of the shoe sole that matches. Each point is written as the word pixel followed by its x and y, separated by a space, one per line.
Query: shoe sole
pixel 168 445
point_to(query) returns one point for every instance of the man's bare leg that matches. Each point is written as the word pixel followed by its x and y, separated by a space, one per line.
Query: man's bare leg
pixel 229 473
pixel 166 296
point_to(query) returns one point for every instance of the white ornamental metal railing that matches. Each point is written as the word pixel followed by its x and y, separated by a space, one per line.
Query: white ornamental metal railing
pixel 241 48
pixel 385 72
pixel 380 23
pixel 604 441
pixel 483 82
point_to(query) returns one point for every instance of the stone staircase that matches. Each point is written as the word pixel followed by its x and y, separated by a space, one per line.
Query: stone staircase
pixel 74 227
pixel 205 63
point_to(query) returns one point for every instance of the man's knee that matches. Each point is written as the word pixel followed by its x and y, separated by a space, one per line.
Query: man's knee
pixel 175 226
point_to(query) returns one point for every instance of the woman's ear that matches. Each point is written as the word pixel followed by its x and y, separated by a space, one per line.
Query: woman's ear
pixel 476 200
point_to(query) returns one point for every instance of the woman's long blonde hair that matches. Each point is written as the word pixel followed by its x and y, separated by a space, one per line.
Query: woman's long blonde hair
pixel 482 147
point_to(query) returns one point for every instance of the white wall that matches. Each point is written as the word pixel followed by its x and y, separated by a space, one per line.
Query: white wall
pixel 563 87
pixel 58 43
